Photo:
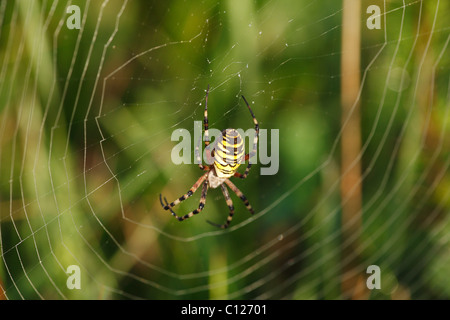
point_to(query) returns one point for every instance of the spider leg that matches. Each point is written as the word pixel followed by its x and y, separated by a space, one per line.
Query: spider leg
pixel 247 170
pixel 198 158
pixel 209 156
pixel 167 205
pixel 201 205
pixel 186 195
pixel 205 119
pixel 208 152
pixel 230 206
pixel 240 195
pixel 255 144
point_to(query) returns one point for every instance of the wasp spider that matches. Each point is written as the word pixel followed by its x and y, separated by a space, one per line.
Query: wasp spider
pixel 228 154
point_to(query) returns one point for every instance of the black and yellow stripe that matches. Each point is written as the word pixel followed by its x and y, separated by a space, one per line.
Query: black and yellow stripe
pixel 229 153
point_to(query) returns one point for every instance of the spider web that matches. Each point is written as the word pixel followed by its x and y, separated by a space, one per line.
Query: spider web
pixel 85 130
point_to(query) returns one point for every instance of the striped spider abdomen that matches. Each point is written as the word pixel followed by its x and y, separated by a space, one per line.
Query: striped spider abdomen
pixel 229 153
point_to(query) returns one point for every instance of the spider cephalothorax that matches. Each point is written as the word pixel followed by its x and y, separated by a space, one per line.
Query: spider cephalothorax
pixel 228 153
